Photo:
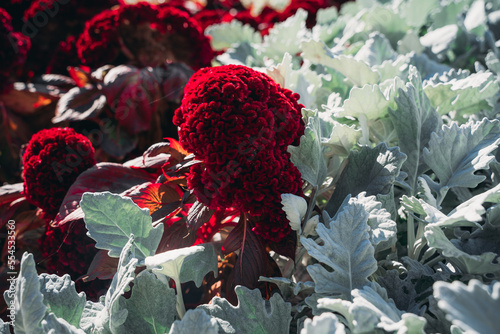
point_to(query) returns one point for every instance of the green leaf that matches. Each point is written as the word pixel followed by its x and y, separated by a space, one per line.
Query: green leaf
pixel 382 228
pixel 61 298
pixel 469 213
pixel 151 307
pixel 368 102
pixel 474 307
pixel 111 219
pixel 371 309
pixel 387 21
pixel 462 95
pixel 285 37
pixel 119 285
pixel 476 20
pixel 486 263
pixel 416 12
pixel 295 208
pixel 4 327
pixel 195 321
pixel 346 249
pixel 372 170
pixel 342 139
pixel 188 264
pixel 92 315
pixel 225 35
pixel 356 71
pixel 326 323
pixel 252 315
pixel 456 153
pixel 184 265
pixel 106 316
pixel 54 325
pixel 440 40
pixel 376 50
pixel 27 298
pixel 308 156
pixel 414 121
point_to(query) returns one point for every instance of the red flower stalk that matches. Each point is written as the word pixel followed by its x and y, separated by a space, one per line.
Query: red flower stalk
pixel 14 47
pixel 52 161
pixel 239 122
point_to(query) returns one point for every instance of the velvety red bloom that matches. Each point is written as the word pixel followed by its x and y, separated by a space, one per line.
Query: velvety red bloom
pixel 74 8
pixel 239 122
pixel 184 38
pixel 144 35
pixel 68 250
pixel 244 17
pixel 99 43
pixel 310 6
pixel 65 55
pixel 14 47
pixel 51 163
pixel 208 17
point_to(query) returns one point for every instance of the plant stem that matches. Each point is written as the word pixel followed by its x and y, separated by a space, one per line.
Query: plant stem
pixel 410 236
pixel 310 206
pixel 181 309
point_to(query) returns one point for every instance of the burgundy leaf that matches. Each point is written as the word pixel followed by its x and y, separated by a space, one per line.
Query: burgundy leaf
pixel 198 215
pixel 102 267
pixel 10 192
pixel 106 176
pixel 79 104
pixel 251 263
pixel 176 236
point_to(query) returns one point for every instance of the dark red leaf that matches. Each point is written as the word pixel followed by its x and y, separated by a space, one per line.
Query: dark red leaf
pixel 176 235
pixel 198 215
pixel 102 267
pixel 10 192
pixel 78 104
pixel 252 259
pixel 107 176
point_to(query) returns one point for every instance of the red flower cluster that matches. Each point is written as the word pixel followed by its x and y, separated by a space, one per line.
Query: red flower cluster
pixel 68 250
pixel 14 47
pixel 144 35
pixel 73 8
pixel 52 161
pixel 239 122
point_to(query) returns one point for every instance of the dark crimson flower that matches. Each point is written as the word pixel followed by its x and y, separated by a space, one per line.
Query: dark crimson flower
pixel 68 250
pixel 51 163
pixel 310 6
pixel 144 35
pixel 14 47
pixel 99 43
pixel 239 122
pixel 65 55
pixel 208 17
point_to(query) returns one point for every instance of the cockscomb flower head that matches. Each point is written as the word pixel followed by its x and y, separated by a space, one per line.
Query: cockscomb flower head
pixel 14 47
pixel 144 35
pixel 239 123
pixel 51 163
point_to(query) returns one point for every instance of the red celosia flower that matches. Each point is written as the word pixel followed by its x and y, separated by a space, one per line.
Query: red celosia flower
pixel 73 8
pixel 310 6
pixel 239 122
pixel 52 161
pixel 65 55
pixel 14 47
pixel 146 35
pixel 99 43
pixel 68 250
